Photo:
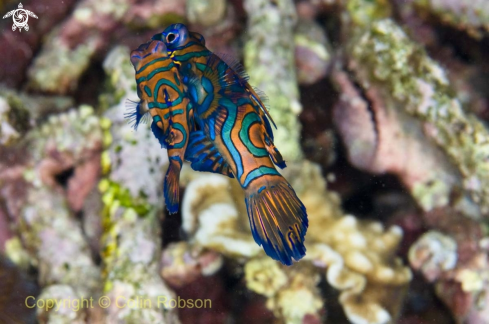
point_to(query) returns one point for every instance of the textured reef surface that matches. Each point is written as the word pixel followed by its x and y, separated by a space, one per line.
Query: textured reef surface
pixel 382 112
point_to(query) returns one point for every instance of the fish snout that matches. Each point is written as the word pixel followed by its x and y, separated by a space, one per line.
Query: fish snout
pixel 157 47
pixel 153 47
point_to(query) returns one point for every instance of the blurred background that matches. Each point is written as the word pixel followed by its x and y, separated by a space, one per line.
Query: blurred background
pixel 381 108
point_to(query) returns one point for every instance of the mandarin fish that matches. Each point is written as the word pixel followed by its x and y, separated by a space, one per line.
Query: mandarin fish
pixel 162 96
pixel 234 130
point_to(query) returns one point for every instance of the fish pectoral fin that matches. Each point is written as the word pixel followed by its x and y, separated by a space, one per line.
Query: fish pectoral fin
pixel 204 156
pixel 136 113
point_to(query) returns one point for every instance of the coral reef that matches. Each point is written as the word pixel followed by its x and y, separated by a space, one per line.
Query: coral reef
pixel 381 110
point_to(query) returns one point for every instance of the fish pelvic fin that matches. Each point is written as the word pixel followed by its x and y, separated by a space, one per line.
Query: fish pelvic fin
pixel 278 220
pixel 159 134
pixel 204 155
pixel 171 187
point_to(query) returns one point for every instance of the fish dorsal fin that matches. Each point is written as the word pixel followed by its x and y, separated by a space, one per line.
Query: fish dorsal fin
pixel 136 113
pixel 235 65
pixel 262 100
pixel 256 94
pixel 204 156
pixel 226 80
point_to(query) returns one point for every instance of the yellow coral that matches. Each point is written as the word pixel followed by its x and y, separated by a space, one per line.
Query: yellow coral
pixel 264 276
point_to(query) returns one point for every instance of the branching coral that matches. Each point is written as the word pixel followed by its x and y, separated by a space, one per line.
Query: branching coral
pixel 359 256
pixel 207 12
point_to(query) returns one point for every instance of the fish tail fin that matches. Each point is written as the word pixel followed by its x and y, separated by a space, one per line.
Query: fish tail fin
pixel 278 220
pixel 171 187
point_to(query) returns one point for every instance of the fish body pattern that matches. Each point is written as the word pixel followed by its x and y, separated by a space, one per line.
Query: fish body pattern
pixel 235 133
pixel 163 98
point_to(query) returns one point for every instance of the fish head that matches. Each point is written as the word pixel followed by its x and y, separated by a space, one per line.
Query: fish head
pixel 148 52
pixel 151 64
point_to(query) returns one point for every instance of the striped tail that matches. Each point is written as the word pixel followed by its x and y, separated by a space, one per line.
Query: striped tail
pixel 278 220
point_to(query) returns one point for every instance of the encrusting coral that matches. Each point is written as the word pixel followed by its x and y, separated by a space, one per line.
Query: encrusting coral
pixel 180 265
pixel 381 139
pixel 292 292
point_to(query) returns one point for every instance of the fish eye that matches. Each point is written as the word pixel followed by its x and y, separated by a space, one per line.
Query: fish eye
pixel 170 38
